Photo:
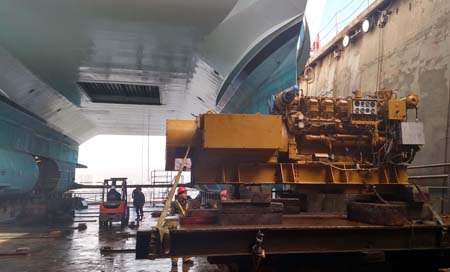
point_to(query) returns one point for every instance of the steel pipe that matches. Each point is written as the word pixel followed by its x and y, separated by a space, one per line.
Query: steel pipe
pixel 428 166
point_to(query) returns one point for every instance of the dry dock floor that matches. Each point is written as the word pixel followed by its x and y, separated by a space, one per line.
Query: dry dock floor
pixel 76 250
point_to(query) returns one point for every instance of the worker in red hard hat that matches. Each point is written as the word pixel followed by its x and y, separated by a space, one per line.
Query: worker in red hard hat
pixel 223 194
pixel 180 206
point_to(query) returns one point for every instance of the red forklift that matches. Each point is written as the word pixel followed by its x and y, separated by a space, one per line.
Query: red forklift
pixel 113 207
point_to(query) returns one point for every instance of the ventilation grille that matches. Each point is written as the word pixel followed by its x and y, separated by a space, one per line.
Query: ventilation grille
pixel 120 93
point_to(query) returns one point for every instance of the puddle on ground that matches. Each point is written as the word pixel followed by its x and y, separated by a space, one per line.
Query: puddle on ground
pixel 80 250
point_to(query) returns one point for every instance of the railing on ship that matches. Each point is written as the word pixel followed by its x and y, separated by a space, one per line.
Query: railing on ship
pixel 155 190
pixel 436 177
pixel 341 18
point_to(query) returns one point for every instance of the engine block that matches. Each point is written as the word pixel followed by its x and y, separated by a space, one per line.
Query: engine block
pixel 305 140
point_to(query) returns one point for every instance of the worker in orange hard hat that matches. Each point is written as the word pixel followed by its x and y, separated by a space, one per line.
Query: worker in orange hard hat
pixel 180 206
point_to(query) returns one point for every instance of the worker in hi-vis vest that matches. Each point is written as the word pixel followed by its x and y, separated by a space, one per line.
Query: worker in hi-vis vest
pixel 180 206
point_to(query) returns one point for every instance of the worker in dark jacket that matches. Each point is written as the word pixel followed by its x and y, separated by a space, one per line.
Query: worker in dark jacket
pixel 138 202
pixel 180 206
pixel 113 195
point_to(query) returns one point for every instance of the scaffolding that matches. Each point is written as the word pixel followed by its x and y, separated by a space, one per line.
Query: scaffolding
pixel 160 181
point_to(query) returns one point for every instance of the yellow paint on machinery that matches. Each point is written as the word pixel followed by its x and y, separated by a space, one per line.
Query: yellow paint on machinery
pixel 397 110
pixel 241 131
pixel 183 133
pixel 306 140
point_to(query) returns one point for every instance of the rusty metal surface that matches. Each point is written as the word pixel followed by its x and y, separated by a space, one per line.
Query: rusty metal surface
pixel 378 213
pixel 292 222
pixel 299 234
pixel 369 261
pixel 391 214
pixel 200 216
pixel 250 219
pixel 241 212
pixel 246 208
pixel 290 205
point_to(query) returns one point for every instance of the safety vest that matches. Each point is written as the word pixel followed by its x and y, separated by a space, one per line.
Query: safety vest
pixel 182 210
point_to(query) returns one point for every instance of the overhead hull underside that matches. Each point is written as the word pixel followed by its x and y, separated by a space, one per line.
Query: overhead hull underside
pixel 187 50
pixel 70 70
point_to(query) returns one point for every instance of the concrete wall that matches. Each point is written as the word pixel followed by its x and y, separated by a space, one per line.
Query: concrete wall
pixel 414 46
pixel 411 54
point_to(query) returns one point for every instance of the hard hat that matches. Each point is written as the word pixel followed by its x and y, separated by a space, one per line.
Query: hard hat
pixel 224 193
pixel 181 190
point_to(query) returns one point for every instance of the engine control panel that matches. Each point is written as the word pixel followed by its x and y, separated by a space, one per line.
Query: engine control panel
pixel 364 107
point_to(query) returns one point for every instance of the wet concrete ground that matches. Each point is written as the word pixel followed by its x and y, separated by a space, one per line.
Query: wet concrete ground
pixel 78 250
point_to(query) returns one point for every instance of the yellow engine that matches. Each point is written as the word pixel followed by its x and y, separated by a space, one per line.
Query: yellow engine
pixel 305 140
